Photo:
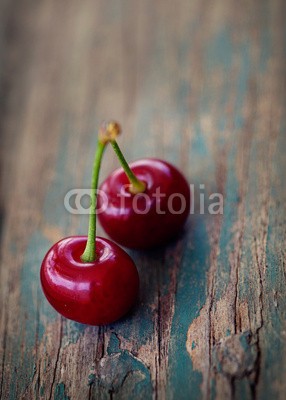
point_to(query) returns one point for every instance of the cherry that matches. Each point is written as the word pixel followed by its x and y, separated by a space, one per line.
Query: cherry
pixel 94 293
pixel 147 203
pixel 90 279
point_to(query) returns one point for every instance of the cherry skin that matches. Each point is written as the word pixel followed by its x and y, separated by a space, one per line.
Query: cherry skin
pixel 95 293
pixel 143 220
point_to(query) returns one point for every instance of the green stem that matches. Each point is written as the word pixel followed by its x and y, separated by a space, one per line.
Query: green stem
pixel 89 254
pixel 136 186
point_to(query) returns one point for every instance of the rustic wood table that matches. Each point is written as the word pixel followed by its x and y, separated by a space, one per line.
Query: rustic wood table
pixel 198 83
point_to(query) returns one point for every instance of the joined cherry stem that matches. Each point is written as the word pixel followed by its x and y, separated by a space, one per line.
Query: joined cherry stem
pixel 107 133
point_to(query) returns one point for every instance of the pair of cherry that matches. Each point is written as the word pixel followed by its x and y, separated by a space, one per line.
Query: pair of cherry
pixel 91 279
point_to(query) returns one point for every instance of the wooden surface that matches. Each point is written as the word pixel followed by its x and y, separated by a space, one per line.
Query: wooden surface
pixel 201 84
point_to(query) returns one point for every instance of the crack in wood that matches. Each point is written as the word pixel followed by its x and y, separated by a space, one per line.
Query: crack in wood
pixel 158 358
pixel 37 372
pixel 57 358
pixel 4 350
pixel 254 386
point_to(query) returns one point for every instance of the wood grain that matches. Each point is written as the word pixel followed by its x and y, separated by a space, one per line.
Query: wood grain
pixel 201 84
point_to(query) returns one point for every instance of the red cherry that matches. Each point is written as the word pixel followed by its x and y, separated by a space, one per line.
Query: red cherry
pixel 94 293
pixel 120 217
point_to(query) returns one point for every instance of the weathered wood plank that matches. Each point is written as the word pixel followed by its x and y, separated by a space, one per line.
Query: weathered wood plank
pixel 201 84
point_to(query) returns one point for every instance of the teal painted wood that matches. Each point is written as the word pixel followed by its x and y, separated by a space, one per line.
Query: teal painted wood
pixel 201 85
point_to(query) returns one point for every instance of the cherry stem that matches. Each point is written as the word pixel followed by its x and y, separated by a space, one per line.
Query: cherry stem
pixel 136 186
pixel 89 254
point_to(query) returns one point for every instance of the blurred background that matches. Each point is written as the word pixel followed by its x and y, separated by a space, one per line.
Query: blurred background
pixel 184 79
